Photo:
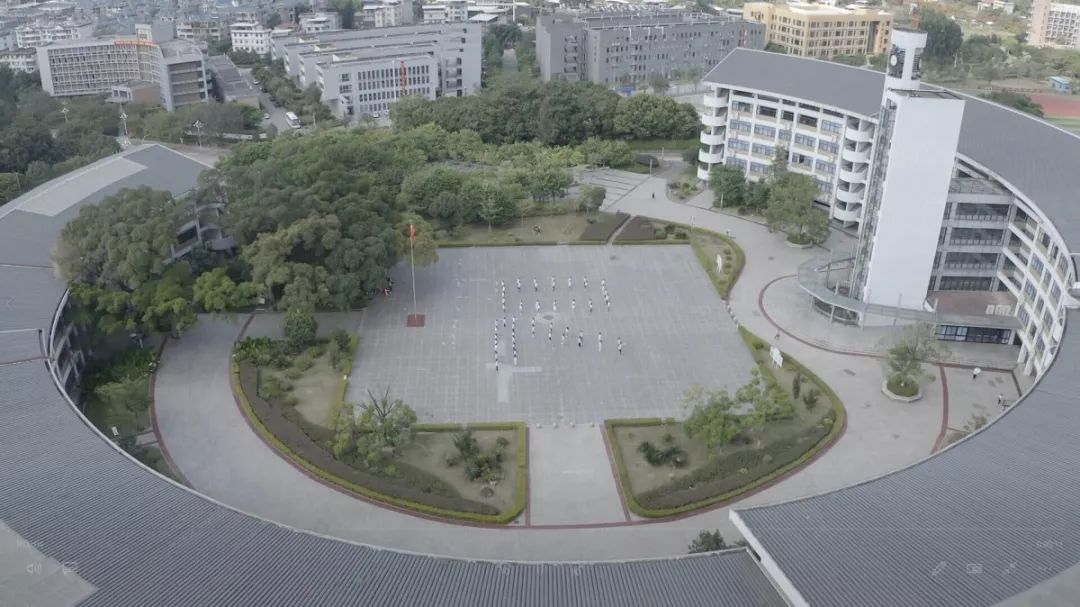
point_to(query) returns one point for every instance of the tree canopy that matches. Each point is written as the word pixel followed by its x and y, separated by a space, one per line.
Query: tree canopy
pixel 943 36
pixel 1018 101
pixel 791 209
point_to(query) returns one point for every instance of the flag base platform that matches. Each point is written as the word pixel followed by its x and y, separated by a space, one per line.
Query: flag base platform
pixel 414 320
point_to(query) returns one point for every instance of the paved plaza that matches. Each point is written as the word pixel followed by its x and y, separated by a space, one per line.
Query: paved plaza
pixel 663 308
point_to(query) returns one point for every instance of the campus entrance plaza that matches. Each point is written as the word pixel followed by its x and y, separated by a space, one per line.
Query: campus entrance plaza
pixel 674 330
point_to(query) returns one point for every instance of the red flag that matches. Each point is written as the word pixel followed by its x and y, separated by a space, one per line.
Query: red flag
pixel 412 231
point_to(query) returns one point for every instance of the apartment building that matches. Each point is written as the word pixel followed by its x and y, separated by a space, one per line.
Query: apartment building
pixel 98 65
pixel 626 47
pixel 446 11
pixel 251 37
pixel 46 32
pixel 201 29
pixel 940 237
pixel 362 72
pixel 314 23
pixel 822 30
pixel 388 13
pixel 20 60
pixel 1054 24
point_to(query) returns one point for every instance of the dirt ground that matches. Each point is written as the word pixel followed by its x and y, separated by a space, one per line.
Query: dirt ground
pixel 314 390
pixel 561 228
pixel 429 451
pixel 643 475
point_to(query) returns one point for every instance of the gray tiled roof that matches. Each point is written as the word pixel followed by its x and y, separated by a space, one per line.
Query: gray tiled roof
pixel 141 540
pixel 994 516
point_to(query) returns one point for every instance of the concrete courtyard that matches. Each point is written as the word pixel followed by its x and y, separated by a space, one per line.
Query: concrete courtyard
pixel 672 323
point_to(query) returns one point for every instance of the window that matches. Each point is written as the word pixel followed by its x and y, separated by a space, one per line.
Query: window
pixel 828 146
pixel 1036 266
pixel 739 125
pixel 1029 289
pixel 825 167
pixel 1055 293
pixel 768 112
pixel 767 131
pixel 757 167
pixel 810 121
pixel 804 140
pixel 764 150
pixel 830 127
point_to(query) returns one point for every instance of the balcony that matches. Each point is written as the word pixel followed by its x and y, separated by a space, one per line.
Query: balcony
pixel 847 215
pixel 709 120
pixel 1018 254
pixel 1027 229
pixel 717 139
pixel 716 102
pixel 702 173
pixel 710 157
pixel 852 196
pixel 859 136
pixel 855 175
pixel 857 154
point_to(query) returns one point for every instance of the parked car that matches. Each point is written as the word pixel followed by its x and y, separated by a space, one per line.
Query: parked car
pixel 266 116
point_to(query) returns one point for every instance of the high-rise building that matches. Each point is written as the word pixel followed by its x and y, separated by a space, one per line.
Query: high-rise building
pixel 626 47
pixel 19 59
pixel 150 59
pixel 362 72
pixel 822 30
pixel 1054 24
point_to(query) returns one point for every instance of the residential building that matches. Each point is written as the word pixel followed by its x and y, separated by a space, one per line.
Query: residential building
pixel 228 84
pixel 99 65
pixel 251 37
pixel 20 59
pixel 626 47
pixel 1054 24
pixel 314 23
pixel 201 29
pixel 446 11
pixel 45 32
pixel 992 269
pixel 362 72
pixel 1007 7
pixel 822 30
pixel 388 13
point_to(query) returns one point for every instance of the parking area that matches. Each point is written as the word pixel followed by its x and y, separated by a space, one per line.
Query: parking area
pixel 672 324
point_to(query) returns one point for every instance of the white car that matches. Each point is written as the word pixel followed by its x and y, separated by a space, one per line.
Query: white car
pixel 266 116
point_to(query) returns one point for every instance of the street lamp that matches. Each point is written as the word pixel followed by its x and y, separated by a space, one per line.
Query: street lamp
pixel 198 130
pixel 64 110
pixel 123 121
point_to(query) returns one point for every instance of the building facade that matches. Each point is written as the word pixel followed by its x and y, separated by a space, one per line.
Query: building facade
pixel 251 37
pixel 314 23
pixel 821 30
pixel 1054 24
pixel 389 13
pixel 200 30
pixel 47 32
pixel 362 72
pixel 446 11
pixel 20 60
pixel 96 66
pixel 941 238
pixel 616 47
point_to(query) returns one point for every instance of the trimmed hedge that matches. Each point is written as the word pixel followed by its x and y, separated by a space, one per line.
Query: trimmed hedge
pixel 639 228
pixel 412 489
pixel 721 479
pixel 723 285
pixel 509 243
pixel 605 225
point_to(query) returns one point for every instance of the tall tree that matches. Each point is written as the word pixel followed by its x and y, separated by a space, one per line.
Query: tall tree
pixel 943 36
pixel 729 185
pixel 791 209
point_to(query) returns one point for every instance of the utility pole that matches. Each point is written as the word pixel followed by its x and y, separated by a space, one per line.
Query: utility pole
pixel 198 130
pixel 65 111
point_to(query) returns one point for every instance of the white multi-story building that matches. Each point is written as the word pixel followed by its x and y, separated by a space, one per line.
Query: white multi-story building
pixel 253 37
pixel 314 23
pixel 362 72
pixel 948 230
pixel 446 11
pixel 20 60
pixel 200 30
pixel 102 65
pixel 1054 24
pixel 388 13
pixel 46 32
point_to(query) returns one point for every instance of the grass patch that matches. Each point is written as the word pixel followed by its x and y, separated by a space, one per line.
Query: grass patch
pixel 668 145
pixel 553 229
pixel 642 230
pixel 603 227
pixel 709 478
pixel 707 246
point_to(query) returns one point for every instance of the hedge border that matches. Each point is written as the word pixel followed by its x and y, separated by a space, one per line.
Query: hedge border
pixel 838 426
pixel 709 264
pixel 500 519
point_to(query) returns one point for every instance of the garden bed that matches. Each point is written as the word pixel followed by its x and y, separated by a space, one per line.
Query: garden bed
pixel 707 245
pixel 642 230
pixel 603 227
pixel 708 478
pixel 554 229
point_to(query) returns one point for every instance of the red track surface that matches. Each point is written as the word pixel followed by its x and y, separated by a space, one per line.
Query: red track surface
pixel 1058 106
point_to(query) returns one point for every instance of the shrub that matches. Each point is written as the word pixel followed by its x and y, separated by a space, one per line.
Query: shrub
pixel 300 328
pixel 293 373
pixel 256 350
pixel 810 399
pixel 303 362
pixel 670 228
pixel 660 233
pixel 902 387
pixel 680 235
pixel 796 384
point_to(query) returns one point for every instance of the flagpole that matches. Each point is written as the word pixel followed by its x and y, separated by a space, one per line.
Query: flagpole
pixel 412 265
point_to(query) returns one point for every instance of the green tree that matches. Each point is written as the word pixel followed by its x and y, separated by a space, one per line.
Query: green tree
pixel 497 203
pixel 711 416
pixel 655 117
pixel 216 292
pixel 24 142
pixel 164 305
pixel 592 196
pixel 658 83
pixel 606 153
pixel 9 186
pixel 707 541
pixel 773 47
pixel 905 355
pixel 855 60
pixel 424 249
pixel 300 328
pixel 778 168
pixel 791 209
pixel 729 185
pixel 122 243
pixel 384 427
pixel 943 36
pixel 1018 101
pixel 989 71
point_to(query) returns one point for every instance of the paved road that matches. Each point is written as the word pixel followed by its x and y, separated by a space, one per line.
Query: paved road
pixel 277 114
pixel 221 457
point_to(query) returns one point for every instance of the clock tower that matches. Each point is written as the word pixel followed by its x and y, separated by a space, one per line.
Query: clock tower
pixel 904 70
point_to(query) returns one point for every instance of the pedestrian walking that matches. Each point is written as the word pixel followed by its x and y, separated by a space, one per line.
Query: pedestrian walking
pixel 1001 400
pixel 552 283
pixel 569 282
pixel 590 305
pixel 555 306
pixel 579 341
pixel 600 346
pixel 585 282
pixel 603 283
pixel 777 338
pixel 620 346
pixel 496 365
pixel 608 302
pixel 562 340
pixel 504 322
pixel 521 307
pixel 519 284
pixel 515 360
pixel 975 373
pixel 567 330
pixel 536 285
pixel 538 305
pixel 532 322
pixel 573 305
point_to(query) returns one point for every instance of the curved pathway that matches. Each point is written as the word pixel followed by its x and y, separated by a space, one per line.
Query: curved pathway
pixel 215 449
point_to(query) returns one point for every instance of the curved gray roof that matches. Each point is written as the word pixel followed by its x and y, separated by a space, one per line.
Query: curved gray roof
pixel 130 537
pixel 993 517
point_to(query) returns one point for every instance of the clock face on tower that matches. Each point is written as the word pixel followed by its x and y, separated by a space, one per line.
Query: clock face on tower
pixel 896 63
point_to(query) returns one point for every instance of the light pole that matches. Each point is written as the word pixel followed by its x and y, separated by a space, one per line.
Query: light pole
pixel 123 121
pixel 198 130
pixel 64 110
